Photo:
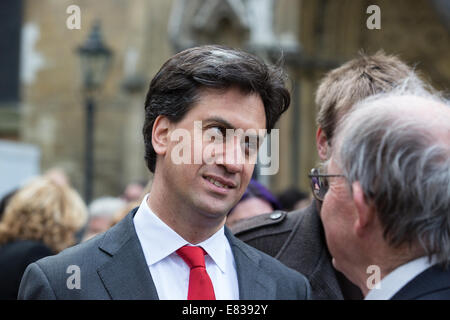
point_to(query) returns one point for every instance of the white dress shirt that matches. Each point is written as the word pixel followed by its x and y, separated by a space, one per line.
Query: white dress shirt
pixel 397 279
pixel 169 272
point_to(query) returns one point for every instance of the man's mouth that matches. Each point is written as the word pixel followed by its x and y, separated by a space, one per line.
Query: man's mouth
pixel 220 182
pixel 217 183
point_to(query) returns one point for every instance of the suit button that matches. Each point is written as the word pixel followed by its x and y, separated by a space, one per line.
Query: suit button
pixel 275 216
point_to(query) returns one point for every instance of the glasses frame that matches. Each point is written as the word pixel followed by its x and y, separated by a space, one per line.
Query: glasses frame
pixel 319 194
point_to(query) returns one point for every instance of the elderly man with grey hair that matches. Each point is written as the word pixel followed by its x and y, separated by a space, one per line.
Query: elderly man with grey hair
pixel 386 210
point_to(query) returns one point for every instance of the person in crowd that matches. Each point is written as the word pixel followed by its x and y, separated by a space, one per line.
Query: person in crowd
pixel 134 191
pixel 201 108
pixel 131 204
pixel 256 200
pixel 58 175
pixel 297 238
pixel 101 214
pixel 293 199
pixel 123 212
pixel 41 219
pixel 386 197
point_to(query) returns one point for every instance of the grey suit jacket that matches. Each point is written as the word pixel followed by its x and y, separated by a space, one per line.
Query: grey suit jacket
pixel 112 266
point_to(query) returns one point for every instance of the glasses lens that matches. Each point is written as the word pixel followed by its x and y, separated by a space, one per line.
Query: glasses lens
pixel 323 187
pixel 319 185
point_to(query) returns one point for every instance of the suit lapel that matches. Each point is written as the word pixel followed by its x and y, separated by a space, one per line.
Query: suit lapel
pixel 254 283
pixel 126 274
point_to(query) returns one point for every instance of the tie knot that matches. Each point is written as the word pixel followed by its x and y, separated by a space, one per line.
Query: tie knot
pixel 193 256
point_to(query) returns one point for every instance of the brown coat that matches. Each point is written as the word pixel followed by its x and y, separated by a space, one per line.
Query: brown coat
pixel 297 239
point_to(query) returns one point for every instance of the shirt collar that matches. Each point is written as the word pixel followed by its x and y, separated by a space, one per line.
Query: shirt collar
pixel 158 240
pixel 397 279
pixel 215 247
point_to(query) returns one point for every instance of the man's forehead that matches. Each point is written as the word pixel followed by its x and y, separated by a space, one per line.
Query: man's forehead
pixel 235 105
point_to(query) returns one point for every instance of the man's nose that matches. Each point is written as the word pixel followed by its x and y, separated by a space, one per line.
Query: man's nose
pixel 234 157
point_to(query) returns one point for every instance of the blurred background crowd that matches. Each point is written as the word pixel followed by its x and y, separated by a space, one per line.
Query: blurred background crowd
pixel 71 153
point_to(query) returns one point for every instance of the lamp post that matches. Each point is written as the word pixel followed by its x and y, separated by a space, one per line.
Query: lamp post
pixel 95 60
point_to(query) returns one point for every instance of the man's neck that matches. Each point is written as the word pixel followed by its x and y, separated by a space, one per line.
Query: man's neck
pixel 189 224
pixel 387 263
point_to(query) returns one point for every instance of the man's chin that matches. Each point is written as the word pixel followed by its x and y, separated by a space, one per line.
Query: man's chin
pixel 214 211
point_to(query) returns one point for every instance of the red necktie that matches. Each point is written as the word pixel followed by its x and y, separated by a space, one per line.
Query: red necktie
pixel 200 285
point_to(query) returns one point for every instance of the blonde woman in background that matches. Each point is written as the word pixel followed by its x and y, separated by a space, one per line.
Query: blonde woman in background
pixel 41 219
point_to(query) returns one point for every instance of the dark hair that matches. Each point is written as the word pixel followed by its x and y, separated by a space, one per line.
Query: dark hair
pixel 178 86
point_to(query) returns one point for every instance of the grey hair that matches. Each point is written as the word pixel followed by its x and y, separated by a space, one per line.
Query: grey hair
pixel 105 207
pixel 397 146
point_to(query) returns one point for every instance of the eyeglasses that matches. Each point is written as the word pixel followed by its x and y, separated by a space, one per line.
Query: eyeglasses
pixel 319 183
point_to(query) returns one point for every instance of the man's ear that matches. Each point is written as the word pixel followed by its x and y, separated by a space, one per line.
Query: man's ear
pixel 365 212
pixel 322 144
pixel 160 134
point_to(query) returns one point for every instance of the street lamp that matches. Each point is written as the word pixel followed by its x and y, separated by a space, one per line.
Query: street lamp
pixel 95 60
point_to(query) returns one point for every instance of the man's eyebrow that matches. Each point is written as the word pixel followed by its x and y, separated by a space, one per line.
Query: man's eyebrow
pixel 228 125
pixel 220 120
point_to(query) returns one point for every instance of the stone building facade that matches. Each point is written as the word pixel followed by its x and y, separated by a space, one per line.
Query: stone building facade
pixel 314 36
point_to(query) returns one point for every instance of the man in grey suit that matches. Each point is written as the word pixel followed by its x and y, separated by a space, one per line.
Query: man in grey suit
pixel 206 113
pixel 297 238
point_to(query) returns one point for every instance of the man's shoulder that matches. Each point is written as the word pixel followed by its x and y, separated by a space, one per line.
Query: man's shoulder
pixel 431 284
pixel 269 223
pixel 259 222
pixel 83 267
pixel 93 252
pixel 82 254
pixel 52 277
pixel 269 232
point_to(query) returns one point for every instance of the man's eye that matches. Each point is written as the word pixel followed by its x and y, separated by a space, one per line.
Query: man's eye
pixel 215 134
pixel 218 130
pixel 251 145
